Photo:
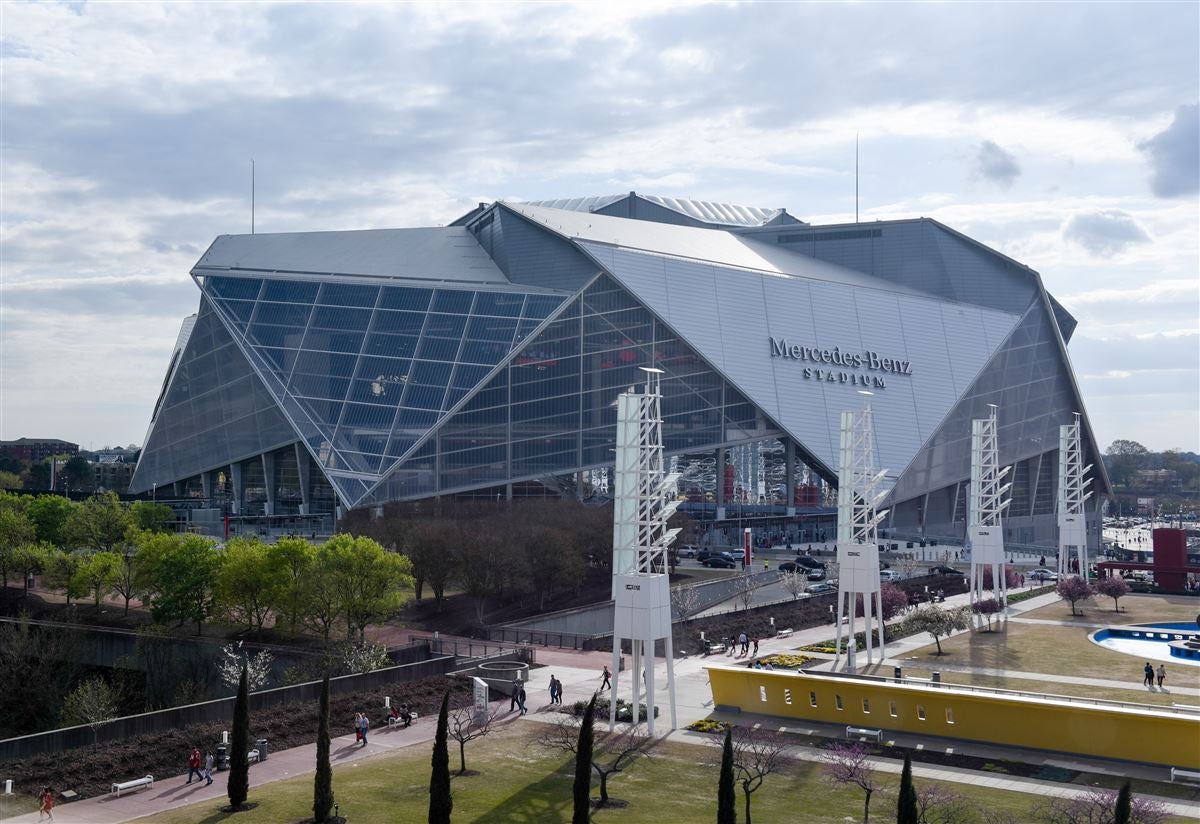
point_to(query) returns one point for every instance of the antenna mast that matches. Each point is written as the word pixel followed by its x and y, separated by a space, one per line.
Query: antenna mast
pixel 856 177
pixel 251 195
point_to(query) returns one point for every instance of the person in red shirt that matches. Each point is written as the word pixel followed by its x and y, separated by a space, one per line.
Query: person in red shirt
pixel 46 807
pixel 194 765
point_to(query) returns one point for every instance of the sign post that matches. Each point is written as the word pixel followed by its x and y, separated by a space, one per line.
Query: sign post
pixel 481 701
pixel 748 552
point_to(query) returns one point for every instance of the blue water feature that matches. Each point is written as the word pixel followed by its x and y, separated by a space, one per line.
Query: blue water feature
pixel 1177 642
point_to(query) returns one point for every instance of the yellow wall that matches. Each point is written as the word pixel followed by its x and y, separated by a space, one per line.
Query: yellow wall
pixel 1147 734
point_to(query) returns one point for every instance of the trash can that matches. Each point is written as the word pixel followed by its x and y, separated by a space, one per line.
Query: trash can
pixel 261 746
pixel 222 757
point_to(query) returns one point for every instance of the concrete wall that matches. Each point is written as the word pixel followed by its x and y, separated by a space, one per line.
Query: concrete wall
pixel 1126 732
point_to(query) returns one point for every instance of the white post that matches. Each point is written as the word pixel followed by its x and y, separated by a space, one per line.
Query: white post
pixel 986 503
pixel 1072 494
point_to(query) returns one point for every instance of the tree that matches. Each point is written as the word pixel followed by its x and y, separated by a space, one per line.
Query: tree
pixel 906 800
pixel 550 558
pixel 582 788
pixel 239 745
pixel 179 575
pixel 323 782
pixel 1124 458
pixel 684 601
pixel 78 472
pixel 1012 579
pixel 726 811
pixel 10 480
pixel 757 753
pixel 611 752
pixel 430 546
pixel 937 622
pixel 363 656
pixel 987 608
pixel 291 560
pixel 369 580
pixel 233 662
pixel 464 728
pixel 30 559
pixel 893 599
pixel 441 803
pixel 744 589
pixel 320 596
pixel 94 702
pixel 59 571
pixel 1098 806
pixel 49 513
pixel 1114 587
pixel 129 576
pixel 100 523
pixel 1073 589
pixel 1123 811
pixel 248 583
pixel 97 574
pixel 847 764
pixel 150 516
pixel 16 530
pixel 480 563
pixel 794 584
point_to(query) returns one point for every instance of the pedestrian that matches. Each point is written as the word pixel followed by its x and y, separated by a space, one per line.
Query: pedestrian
pixel 553 688
pixel 521 698
pixel 516 689
pixel 358 726
pixel 194 765
pixel 208 765
pixel 1042 561
pixel 756 646
pixel 46 803
pixel 607 682
pixel 366 725
pixel 1148 670
pixel 1162 673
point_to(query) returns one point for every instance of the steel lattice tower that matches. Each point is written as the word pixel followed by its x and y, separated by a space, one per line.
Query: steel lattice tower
pixel 643 505
pixel 857 547
pixel 1073 492
pixel 987 503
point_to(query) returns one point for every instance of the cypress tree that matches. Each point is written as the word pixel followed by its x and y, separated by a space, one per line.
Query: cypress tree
pixel 1123 814
pixel 726 802
pixel 323 783
pixel 440 801
pixel 906 802
pixel 239 764
pixel 583 766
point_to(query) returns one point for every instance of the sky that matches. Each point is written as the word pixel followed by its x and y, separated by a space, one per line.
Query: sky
pixel 1064 135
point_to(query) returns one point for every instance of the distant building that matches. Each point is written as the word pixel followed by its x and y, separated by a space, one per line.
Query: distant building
pixel 36 450
pixel 112 476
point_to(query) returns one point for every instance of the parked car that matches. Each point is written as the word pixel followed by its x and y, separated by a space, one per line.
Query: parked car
pixel 687 551
pixel 808 562
pixel 791 566
pixel 817 589
pixel 889 575
pixel 720 562
pixel 945 570
pixel 816 575
pixel 1043 574
pixel 884 565
pixel 704 554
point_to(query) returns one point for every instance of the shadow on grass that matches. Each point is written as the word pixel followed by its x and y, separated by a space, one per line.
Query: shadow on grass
pixel 545 800
pixel 223 813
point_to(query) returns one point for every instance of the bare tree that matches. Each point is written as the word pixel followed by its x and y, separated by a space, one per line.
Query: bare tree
pixel 1096 806
pixel 794 584
pixel 685 600
pixel 612 752
pixel 907 564
pixel 847 764
pixel 937 805
pixel 95 702
pixel 757 753
pixel 463 728
pixel 744 590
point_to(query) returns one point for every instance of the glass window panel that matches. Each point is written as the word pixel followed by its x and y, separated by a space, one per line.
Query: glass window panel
pixel 325 363
pixel 438 349
pixel 493 329
pixel 540 306
pixel 405 322
pixel 290 291
pixel 476 351
pixel 283 336
pixel 234 288
pixel 319 386
pixel 400 297
pixel 452 300
pixel 329 341
pixel 468 377
pixel 424 397
pixel 370 368
pixel 385 391
pixel 281 359
pixel 504 304
pixel 367 415
pixel 445 326
pixel 348 294
pixel 341 318
pixel 284 314
pixel 431 373
pixel 418 420
pixel 396 346
pixel 240 309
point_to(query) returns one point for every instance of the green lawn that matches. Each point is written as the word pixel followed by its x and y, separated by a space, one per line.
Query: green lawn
pixel 1135 609
pixel 522 783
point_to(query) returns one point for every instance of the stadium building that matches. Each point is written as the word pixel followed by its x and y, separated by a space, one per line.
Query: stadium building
pixel 326 371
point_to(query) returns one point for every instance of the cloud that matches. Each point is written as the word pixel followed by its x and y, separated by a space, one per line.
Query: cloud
pixel 1107 232
pixel 1162 290
pixel 1174 155
pixel 997 165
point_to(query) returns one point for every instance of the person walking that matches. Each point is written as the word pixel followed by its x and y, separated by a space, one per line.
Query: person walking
pixel 358 726
pixel 553 689
pixel 1162 673
pixel 744 642
pixel 756 646
pixel 607 682
pixel 194 764
pixel 521 698
pixel 516 689
pixel 208 765
pixel 1148 672
pixel 364 724
pixel 46 803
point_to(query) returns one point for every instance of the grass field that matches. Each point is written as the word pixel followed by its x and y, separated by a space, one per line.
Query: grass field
pixel 1135 609
pixel 522 783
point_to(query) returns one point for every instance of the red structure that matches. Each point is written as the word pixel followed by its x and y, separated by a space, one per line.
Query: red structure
pixel 1169 564
pixel 806 496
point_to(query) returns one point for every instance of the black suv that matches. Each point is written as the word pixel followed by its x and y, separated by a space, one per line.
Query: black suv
pixel 809 563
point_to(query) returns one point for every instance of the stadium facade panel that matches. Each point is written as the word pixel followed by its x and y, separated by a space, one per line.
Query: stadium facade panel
pixel 350 369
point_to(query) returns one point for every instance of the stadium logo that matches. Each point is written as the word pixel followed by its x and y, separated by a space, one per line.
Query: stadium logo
pixel 868 360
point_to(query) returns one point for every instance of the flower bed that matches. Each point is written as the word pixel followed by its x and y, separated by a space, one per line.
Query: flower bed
pixel 786 661
pixel 709 725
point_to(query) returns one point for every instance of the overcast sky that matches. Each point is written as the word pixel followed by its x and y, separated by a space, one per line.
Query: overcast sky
pixel 1064 135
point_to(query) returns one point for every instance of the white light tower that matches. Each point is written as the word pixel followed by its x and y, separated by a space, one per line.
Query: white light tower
pixel 1072 493
pixel 987 502
pixel 643 504
pixel 857 548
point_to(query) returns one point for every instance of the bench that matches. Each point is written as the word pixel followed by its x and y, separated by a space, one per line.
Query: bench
pixel 714 649
pixel 252 756
pixel 135 784
pixel 784 633
pixel 399 722
pixel 1190 776
pixel 863 732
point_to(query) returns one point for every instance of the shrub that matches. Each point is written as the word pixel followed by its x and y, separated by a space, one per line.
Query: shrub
pixel 709 725
pixel 786 661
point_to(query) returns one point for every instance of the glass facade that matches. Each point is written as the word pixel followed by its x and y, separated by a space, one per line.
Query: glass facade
pixel 552 410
